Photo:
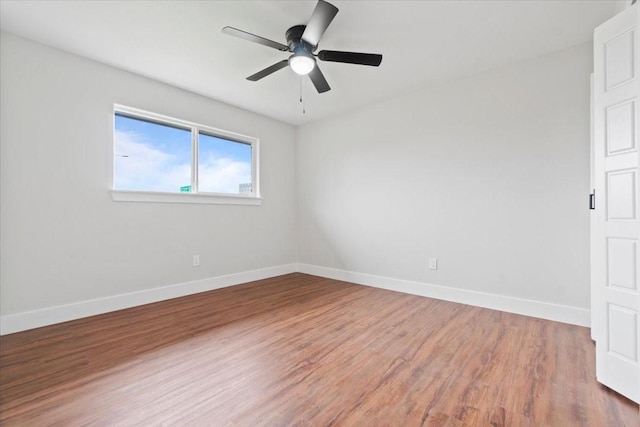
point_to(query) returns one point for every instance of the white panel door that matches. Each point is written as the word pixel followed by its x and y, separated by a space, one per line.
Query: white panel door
pixel 616 227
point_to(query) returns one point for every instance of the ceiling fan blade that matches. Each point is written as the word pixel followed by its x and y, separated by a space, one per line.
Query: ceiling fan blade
pixel 320 19
pixel 253 38
pixel 372 59
pixel 318 80
pixel 269 70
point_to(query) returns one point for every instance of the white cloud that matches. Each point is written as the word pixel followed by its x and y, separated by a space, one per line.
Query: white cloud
pixel 222 175
pixel 148 168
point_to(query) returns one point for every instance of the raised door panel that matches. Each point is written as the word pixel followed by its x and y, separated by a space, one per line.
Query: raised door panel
pixel 621 195
pixel 621 132
pixel 622 259
pixel 621 321
pixel 619 62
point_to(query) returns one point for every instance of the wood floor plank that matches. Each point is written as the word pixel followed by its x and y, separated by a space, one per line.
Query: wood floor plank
pixel 304 350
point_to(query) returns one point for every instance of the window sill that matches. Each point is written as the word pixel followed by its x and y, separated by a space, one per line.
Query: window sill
pixel 158 197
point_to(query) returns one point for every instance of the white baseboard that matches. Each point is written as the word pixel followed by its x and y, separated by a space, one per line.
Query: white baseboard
pixel 543 310
pixel 63 313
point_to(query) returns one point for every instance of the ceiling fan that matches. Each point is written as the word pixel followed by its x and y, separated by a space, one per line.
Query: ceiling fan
pixel 302 41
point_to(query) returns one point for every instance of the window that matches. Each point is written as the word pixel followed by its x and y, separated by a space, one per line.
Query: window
pixel 158 158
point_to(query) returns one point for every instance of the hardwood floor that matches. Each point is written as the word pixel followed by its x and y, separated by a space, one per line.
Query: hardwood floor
pixel 303 350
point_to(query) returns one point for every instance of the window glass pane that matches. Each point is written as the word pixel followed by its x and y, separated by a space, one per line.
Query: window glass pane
pixel 151 157
pixel 224 166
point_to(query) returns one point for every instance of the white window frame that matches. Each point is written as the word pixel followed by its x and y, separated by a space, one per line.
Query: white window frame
pixel 195 196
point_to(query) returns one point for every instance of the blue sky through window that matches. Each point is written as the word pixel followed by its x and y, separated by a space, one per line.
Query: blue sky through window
pixel 223 165
pixel 149 156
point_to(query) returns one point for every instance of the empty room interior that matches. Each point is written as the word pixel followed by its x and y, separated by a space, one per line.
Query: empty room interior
pixel 313 213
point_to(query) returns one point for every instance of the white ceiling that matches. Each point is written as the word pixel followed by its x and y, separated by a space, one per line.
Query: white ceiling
pixel 423 42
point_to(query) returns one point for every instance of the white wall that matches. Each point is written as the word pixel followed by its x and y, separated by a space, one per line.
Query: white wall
pixel 64 240
pixel 489 174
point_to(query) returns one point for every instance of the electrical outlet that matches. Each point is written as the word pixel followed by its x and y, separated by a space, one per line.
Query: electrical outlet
pixel 433 263
pixel 196 260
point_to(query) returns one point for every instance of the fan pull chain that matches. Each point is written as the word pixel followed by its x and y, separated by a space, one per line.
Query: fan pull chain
pixel 301 99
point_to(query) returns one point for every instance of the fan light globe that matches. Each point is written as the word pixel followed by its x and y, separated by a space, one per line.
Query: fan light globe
pixel 302 64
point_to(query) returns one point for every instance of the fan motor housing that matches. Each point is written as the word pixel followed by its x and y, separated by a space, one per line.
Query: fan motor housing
pixel 294 39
